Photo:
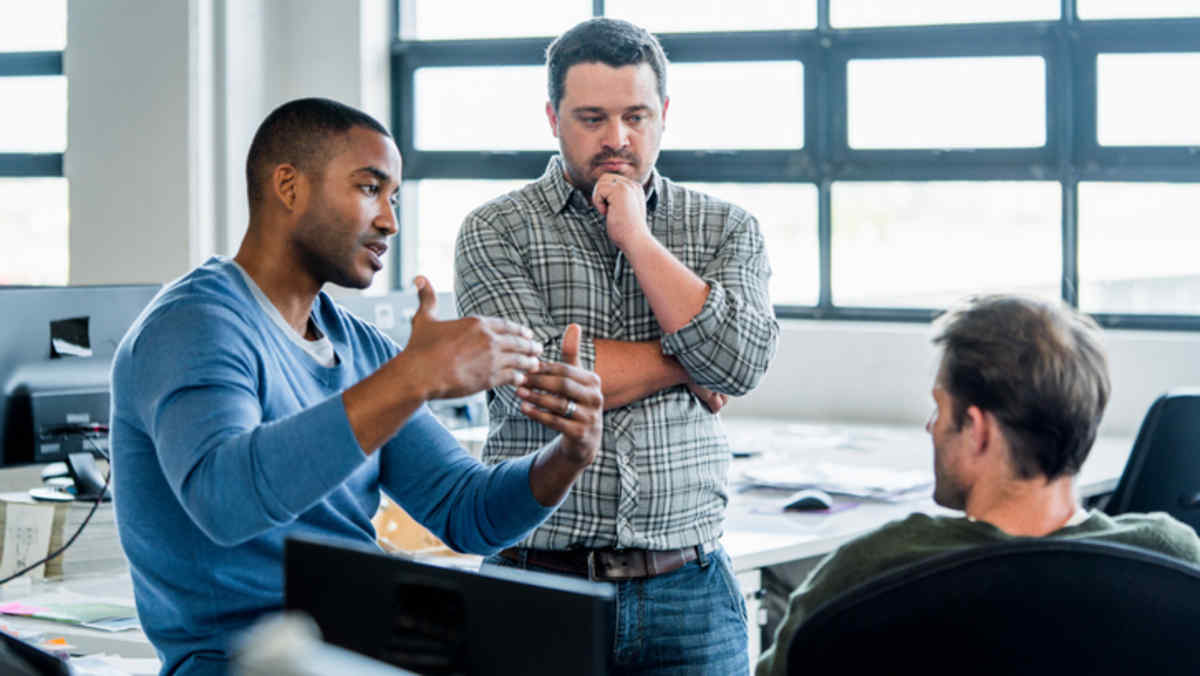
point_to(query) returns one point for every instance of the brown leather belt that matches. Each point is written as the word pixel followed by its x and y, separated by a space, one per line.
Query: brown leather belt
pixel 605 564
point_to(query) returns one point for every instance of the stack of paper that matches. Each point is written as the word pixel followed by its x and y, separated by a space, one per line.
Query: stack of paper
pixel 878 483
pixel 31 530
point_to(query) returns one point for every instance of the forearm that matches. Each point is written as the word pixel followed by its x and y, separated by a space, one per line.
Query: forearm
pixel 381 403
pixel 472 508
pixel 630 371
pixel 552 474
pixel 675 293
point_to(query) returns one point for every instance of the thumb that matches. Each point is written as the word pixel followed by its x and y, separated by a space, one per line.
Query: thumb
pixel 426 297
pixel 570 344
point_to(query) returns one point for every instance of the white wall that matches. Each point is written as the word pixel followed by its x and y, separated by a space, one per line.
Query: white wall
pixel 164 99
pixel 865 371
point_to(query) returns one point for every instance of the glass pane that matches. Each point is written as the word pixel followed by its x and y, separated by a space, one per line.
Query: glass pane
pixel 441 207
pixel 687 16
pixel 482 108
pixel 33 26
pixel 33 231
pixel 858 13
pixel 990 102
pixel 460 19
pixel 929 244
pixel 757 104
pixel 1124 9
pixel 1147 99
pixel 34 115
pixel 787 214
pixel 1137 247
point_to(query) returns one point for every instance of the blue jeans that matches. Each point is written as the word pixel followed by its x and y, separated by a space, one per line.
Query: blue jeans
pixel 691 622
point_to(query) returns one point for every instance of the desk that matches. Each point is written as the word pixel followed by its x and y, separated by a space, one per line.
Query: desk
pixel 114 586
pixel 756 539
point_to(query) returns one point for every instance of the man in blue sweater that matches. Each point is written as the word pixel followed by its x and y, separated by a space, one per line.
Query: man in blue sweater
pixel 248 406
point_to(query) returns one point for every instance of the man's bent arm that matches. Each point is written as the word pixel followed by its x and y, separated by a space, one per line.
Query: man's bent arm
pixel 631 371
pixel 727 346
pixel 675 293
pixel 193 378
pixel 470 507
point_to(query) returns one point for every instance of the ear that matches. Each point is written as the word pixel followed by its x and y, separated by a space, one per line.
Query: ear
pixel 288 186
pixel 979 429
pixel 666 104
pixel 552 117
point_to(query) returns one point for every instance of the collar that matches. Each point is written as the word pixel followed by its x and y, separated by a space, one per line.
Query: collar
pixel 557 190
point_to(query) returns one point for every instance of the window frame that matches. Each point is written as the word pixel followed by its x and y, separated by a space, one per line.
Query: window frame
pixel 1071 153
pixel 30 64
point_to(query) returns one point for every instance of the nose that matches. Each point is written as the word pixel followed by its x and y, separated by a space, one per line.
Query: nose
pixel 386 220
pixel 617 134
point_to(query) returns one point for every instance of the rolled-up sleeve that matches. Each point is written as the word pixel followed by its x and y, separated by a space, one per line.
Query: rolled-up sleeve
pixel 728 345
pixel 491 278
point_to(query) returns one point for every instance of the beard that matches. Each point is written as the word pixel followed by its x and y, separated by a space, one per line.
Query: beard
pixel 948 490
pixel 584 177
pixel 326 253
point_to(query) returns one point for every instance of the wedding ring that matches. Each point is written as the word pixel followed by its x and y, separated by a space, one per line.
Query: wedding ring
pixel 569 411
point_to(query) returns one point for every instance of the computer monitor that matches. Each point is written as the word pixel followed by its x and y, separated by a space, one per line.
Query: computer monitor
pixel 436 620
pixel 56 349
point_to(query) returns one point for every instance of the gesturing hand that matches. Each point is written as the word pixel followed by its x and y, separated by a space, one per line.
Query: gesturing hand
pixel 568 399
pixel 464 356
pixel 622 202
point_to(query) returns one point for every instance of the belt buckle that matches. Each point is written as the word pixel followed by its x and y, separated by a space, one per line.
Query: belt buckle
pixel 591 564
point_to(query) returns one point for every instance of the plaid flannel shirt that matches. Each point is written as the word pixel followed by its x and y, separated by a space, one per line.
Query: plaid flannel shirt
pixel 541 256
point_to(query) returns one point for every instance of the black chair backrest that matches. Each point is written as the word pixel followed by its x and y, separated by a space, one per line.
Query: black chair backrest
pixel 1034 606
pixel 1163 471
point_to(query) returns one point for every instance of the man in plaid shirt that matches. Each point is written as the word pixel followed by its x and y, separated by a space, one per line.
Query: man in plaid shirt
pixel 670 287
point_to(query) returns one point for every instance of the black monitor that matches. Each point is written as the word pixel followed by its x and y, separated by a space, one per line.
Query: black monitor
pixel 56 349
pixel 436 620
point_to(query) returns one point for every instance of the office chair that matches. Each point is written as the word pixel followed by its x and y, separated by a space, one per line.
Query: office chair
pixel 1163 471
pixel 1033 606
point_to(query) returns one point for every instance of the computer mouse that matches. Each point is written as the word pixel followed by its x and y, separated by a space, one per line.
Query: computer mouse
pixel 807 500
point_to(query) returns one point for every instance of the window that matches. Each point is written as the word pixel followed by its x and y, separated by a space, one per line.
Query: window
pixel 1135 108
pixel 898 156
pixel 33 136
pixel 979 102
pixel 1137 246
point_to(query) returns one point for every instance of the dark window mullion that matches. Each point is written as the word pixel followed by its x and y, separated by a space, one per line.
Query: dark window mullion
pixel 29 64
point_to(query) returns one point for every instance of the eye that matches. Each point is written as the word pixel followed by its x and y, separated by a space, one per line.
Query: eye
pixel 636 118
pixel 370 189
pixel 593 120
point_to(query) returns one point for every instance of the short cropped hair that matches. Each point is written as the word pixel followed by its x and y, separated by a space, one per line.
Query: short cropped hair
pixel 301 133
pixel 1038 366
pixel 613 42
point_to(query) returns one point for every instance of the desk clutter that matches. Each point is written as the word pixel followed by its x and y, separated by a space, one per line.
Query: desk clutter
pixel 29 530
pixel 875 463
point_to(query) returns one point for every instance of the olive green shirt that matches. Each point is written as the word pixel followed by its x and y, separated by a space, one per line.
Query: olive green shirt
pixel 921 536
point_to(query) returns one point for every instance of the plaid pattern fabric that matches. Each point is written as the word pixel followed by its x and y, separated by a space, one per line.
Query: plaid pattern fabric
pixel 540 256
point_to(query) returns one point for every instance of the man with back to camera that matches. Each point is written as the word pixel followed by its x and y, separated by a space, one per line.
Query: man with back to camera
pixel 670 287
pixel 1018 398
pixel 247 406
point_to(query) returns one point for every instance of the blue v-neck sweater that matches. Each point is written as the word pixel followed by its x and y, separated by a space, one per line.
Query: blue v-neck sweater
pixel 227 437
